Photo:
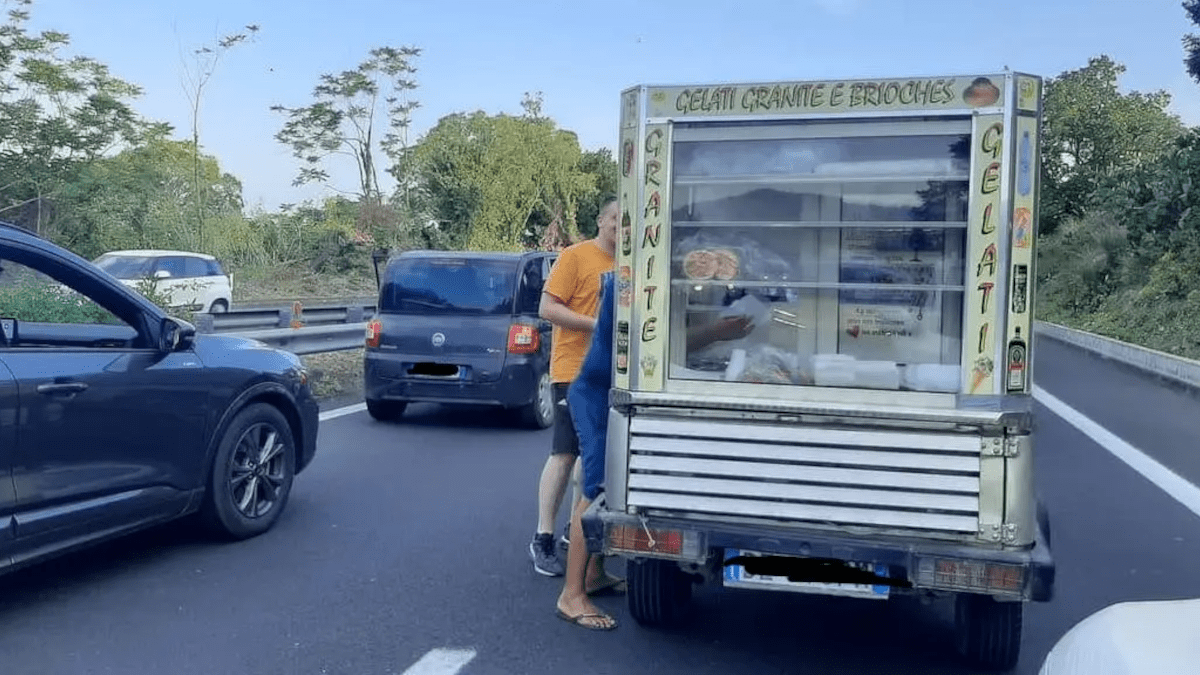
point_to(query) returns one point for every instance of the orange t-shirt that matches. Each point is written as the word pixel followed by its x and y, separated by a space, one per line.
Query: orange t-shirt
pixel 575 279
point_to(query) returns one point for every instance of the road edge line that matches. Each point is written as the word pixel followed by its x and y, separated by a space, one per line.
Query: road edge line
pixel 1165 479
pixel 342 412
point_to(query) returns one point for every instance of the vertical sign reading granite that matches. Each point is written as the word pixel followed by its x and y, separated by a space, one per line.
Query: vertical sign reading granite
pixel 985 222
pixel 652 284
pixel 628 202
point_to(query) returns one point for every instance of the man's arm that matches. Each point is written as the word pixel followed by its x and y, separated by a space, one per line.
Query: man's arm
pixel 556 312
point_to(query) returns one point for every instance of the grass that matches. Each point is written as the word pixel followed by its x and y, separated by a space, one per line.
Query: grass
pixel 289 281
pixel 335 374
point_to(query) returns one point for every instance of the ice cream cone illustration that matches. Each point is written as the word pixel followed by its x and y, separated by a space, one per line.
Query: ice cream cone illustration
pixel 983 368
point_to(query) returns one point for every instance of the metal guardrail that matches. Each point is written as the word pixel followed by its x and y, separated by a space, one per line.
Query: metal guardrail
pixel 316 325
pixel 1168 366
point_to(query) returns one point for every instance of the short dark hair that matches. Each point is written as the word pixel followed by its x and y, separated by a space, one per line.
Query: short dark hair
pixel 608 199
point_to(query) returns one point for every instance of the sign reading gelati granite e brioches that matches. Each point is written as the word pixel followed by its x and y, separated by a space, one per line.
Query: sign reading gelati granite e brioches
pixel 834 96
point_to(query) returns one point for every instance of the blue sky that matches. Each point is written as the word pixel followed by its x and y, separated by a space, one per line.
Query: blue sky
pixel 581 54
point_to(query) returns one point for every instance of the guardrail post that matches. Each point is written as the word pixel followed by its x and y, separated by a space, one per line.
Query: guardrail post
pixel 354 314
pixel 204 323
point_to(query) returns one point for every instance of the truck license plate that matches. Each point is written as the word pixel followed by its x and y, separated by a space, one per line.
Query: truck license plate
pixel 737 576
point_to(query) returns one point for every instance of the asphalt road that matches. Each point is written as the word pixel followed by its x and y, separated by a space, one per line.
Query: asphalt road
pixel 409 537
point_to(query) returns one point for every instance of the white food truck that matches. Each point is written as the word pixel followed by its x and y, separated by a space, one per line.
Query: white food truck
pixel 823 347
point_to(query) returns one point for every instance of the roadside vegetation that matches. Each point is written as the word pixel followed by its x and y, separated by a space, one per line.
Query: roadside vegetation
pixel 1119 241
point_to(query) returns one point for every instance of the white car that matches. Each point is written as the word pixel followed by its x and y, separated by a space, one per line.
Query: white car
pixel 1152 637
pixel 195 281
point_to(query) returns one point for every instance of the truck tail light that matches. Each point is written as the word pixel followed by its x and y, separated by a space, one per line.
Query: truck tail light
pixel 635 539
pixel 970 575
pixel 523 339
pixel 374 332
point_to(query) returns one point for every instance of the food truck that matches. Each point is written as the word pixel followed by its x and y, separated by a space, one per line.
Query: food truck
pixel 824 332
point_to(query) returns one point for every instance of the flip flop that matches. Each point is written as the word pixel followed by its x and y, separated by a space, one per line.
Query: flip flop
pixel 579 620
pixel 613 586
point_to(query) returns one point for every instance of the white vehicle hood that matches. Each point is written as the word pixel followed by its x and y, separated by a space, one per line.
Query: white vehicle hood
pixel 1159 637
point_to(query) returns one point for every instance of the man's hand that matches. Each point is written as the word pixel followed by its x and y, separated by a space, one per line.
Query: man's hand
pixel 556 312
pixel 723 329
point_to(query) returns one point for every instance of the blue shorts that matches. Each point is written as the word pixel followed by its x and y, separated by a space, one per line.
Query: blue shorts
pixel 589 411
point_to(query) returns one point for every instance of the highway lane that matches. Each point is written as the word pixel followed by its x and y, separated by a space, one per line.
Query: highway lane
pixel 410 537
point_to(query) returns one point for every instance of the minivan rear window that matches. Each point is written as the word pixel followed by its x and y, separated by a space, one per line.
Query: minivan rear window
pixel 448 286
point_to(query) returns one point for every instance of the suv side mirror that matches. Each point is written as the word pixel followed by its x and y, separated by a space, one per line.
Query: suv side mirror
pixel 175 334
pixel 162 274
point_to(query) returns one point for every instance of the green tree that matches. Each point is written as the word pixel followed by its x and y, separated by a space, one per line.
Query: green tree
pixel 57 114
pixel 141 197
pixel 598 163
pixel 1191 42
pixel 490 180
pixel 196 77
pixel 342 120
pixel 1093 135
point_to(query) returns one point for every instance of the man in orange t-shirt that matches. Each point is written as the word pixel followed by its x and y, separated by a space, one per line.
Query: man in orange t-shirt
pixel 570 300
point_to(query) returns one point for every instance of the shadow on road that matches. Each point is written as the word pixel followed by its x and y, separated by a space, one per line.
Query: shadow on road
pixel 461 416
pixel 80 572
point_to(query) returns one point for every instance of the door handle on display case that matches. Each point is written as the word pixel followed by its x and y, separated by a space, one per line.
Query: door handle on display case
pixel 62 388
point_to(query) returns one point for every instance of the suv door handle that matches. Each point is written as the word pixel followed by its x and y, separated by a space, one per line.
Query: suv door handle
pixel 62 388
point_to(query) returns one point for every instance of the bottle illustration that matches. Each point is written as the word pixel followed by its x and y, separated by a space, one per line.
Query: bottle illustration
pixel 1017 363
pixel 626 235
pixel 622 347
pixel 1020 294
pixel 1025 167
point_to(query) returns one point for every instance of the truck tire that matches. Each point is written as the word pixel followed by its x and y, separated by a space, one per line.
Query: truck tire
pixel 658 593
pixel 987 632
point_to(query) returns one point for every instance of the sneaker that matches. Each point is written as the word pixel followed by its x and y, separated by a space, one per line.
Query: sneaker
pixel 545 557
pixel 565 539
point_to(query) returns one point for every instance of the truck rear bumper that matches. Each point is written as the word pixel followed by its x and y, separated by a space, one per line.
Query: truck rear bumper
pixel 915 564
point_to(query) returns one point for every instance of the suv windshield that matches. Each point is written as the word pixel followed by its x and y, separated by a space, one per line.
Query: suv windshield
pixel 448 286
pixel 125 266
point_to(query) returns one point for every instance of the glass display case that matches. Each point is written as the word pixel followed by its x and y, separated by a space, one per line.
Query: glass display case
pixel 880 239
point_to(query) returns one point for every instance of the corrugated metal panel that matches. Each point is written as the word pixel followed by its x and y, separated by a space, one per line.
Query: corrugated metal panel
pixel 910 481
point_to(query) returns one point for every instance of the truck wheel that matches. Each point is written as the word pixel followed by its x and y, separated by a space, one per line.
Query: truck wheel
pixel 659 591
pixel 987 632
pixel 386 411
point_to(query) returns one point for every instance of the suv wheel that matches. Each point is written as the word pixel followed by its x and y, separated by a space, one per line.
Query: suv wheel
pixel 540 413
pixel 219 307
pixel 252 473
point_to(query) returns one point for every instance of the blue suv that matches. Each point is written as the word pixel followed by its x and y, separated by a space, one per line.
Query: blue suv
pixel 115 416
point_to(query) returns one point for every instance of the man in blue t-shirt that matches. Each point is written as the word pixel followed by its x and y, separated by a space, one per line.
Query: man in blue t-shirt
pixel 587 399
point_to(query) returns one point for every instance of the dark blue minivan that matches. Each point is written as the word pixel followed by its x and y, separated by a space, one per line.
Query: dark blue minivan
pixel 461 327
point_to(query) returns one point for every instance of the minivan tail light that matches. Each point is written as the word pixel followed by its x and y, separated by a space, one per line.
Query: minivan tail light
pixel 523 339
pixel 374 332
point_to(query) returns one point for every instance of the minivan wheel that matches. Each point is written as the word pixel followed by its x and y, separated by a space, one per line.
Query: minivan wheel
pixel 540 413
pixel 219 307
pixel 386 411
pixel 251 475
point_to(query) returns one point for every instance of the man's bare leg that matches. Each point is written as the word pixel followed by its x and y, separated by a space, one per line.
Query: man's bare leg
pixel 574 600
pixel 552 488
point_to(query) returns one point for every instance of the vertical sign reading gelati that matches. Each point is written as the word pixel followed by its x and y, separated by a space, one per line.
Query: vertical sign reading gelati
pixel 1020 305
pixel 985 222
pixel 652 284
pixel 628 203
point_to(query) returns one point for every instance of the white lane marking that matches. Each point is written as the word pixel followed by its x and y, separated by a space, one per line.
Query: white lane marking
pixel 340 412
pixel 441 662
pixel 1168 481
